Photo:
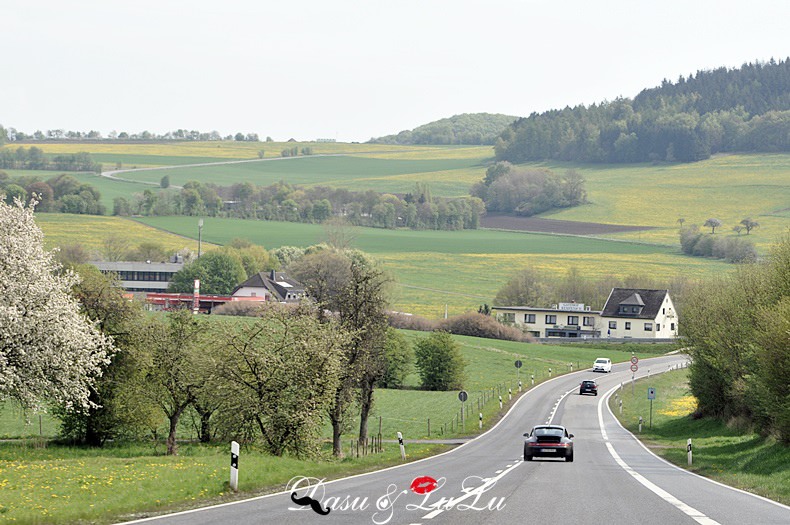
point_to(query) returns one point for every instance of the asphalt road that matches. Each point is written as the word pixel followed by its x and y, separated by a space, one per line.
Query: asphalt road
pixel 612 480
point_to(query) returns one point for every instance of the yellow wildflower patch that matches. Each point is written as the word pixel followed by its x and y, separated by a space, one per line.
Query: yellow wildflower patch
pixel 680 407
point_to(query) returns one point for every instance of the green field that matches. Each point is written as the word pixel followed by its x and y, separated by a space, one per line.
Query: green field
pixel 462 269
pixel 727 187
pixel 448 177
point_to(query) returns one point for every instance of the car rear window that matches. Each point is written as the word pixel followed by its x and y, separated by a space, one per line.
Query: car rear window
pixel 548 432
pixel 600 360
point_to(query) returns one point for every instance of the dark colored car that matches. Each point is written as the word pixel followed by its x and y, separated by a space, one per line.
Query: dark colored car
pixel 551 441
pixel 588 386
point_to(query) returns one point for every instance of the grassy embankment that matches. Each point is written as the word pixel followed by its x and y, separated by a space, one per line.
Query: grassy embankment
pixel 732 454
pixel 47 483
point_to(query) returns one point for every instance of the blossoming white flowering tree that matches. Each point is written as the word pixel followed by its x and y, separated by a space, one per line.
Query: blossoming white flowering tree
pixel 48 350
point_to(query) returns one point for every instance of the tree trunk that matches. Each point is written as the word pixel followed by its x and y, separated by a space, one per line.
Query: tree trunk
pixel 205 427
pixel 204 434
pixel 366 403
pixel 337 431
pixel 172 446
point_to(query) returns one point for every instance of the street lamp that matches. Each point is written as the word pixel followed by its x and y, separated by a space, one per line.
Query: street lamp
pixel 200 234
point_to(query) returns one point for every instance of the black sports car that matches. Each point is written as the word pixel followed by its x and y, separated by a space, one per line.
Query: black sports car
pixel 551 441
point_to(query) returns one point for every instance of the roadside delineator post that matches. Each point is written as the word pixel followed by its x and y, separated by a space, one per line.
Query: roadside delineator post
pixel 481 420
pixel 621 407
pixel 519 386
pixel 688 449
pixel 510 394
pixel 402 449
pixel 533 379
pixel 500 401
pixel 234 466
pixel 640 424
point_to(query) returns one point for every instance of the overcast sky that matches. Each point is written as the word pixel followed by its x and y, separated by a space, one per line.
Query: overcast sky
pixel 352 70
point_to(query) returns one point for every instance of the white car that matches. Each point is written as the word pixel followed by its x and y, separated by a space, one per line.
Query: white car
pixel 602 364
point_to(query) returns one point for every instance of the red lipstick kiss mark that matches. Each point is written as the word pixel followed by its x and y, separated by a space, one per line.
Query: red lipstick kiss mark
pixel 423 485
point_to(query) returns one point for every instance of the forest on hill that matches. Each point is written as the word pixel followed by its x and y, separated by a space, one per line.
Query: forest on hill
pixel 468 128
pixel 718 111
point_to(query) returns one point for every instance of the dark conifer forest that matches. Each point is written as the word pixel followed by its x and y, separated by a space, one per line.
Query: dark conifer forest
pixel 722 110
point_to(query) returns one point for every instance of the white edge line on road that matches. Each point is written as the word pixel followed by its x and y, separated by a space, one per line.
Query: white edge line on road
pixel 247 500
pixel 719 483
pixel 688 510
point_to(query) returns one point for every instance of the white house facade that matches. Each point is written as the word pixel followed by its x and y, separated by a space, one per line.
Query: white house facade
pixel 564 320
pixel 629 313
pixel 632 313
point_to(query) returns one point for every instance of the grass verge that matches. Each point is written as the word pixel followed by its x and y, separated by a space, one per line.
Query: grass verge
pixel 730 453
pixel 45 483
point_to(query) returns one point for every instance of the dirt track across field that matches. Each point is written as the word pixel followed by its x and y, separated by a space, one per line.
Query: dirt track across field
pixel 537 224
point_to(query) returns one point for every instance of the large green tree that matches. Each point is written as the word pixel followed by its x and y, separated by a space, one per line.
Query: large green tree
pixel 278 374
pixel 219 273
pixel 109 415
pixel 350 284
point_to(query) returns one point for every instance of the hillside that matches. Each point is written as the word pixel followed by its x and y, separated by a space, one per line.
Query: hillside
pixel 719 111
pixel 467 128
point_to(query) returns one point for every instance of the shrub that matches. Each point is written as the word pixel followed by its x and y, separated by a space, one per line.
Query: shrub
pixel 240 308
pixel 439 360
pixel 479 325
pixel 411 322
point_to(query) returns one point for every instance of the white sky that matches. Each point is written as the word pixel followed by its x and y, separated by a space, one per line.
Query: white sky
pixel 352 70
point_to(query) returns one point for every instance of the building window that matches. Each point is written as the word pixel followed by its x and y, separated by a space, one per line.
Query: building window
pixel 573 319
pixel 613 325
pixel 509 317
pixel 529 318
pixel 589 321
pixel 672 327
pixel 648 327
pixel 664 311
pixel 551 319
pixel 658 327
pixel 635 309
pixel 627 326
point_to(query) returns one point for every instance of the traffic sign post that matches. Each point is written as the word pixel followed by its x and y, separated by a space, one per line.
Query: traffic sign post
pixel 519 364
pixel 463 396
pixel 651 395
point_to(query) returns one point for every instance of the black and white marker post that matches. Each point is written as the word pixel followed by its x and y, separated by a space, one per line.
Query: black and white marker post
pixel 234 466
pixel 688 449
pixel 402 449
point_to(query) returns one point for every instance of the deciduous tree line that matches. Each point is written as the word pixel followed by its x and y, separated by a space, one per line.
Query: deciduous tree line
pixel 738 331
pixel 287 202
pixel 62 193
pixel 108 370
pixel 33 158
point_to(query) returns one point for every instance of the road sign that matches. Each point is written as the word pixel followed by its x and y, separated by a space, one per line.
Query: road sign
pixel 634 360
pixel 651 393
pixel 518 364
pixel 463 396
pixel 634 368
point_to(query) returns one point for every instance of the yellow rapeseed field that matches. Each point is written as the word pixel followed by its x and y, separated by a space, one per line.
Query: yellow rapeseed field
pixel 91 231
